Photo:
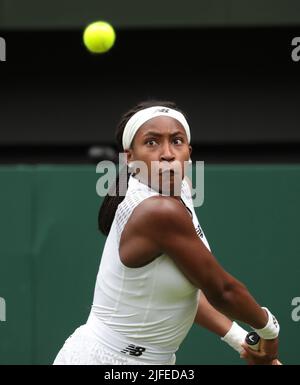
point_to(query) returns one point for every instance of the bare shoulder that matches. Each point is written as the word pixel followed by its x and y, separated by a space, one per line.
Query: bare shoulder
pixel 160 204
pixel 159 212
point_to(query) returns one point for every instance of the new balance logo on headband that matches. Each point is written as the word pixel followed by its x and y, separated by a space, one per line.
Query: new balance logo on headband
pixel 164 110
pixel 133 350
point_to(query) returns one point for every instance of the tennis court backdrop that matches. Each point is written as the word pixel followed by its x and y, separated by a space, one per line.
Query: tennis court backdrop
pixel 50 251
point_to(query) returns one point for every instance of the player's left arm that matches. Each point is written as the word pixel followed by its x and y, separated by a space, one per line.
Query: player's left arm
pixel 211 319
pixel 216 322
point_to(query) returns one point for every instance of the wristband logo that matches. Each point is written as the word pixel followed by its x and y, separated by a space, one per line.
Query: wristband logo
pixel 2 49
pixel 296 311
pixel 275 322
pixel 2 309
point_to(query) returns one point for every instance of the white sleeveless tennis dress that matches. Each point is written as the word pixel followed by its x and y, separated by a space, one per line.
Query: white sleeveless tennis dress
pixel 139 315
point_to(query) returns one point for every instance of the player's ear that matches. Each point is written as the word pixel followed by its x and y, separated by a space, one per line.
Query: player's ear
pixel 129 155
pixel 190 149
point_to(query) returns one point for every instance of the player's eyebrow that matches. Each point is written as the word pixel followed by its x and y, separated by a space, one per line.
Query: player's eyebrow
pixel 157 133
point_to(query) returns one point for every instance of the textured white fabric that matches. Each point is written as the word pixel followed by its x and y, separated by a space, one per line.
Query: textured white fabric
pixel 83 348
pixel 152 306
pixel 142 116
pixel 271 330
pixel 235 337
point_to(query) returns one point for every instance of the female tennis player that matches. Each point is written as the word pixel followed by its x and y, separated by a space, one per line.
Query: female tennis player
pixel 157 274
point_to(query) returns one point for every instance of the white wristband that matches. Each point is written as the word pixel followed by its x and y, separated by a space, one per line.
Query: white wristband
pixel 271 330
pixel 235 337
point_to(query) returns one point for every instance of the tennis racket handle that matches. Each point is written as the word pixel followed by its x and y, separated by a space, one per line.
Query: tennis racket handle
pixel 253 340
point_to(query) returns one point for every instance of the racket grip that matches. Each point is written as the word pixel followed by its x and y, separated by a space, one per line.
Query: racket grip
pixel 253 340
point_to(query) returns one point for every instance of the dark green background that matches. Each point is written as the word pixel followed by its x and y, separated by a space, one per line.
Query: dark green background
pixel 135 13
pixel 50 251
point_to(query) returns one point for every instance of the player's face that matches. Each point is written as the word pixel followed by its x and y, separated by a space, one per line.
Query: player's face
pixel 161 143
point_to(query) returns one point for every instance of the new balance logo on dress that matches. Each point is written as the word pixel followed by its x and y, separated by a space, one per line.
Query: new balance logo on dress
pixel 199 232
pixel 133 350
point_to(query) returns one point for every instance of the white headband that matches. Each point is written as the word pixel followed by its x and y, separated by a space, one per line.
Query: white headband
pixel 142 116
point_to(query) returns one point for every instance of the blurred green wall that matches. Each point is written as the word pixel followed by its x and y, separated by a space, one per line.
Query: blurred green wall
pixel 50 251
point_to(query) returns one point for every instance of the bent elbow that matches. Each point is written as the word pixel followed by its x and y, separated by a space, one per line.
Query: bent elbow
pixel 227 295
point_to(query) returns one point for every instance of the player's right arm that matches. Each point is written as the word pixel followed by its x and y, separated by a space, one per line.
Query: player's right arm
pixel 166 222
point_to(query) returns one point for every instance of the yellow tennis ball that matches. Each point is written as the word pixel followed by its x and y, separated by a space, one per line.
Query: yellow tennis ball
pixel 99 37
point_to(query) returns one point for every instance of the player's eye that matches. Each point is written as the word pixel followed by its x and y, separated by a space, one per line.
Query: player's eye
pixel 151 142
pixel 178 140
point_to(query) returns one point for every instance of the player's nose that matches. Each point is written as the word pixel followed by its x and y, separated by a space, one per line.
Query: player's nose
pixel 167 153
